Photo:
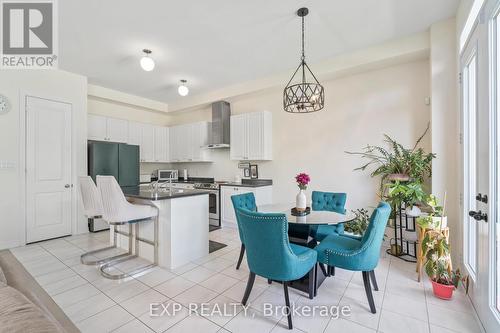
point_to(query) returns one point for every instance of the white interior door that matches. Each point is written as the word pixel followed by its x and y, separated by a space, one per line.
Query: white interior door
pixel 478 77
pixel 48 169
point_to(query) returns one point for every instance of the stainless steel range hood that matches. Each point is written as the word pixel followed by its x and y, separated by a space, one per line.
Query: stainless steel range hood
pixel 219 136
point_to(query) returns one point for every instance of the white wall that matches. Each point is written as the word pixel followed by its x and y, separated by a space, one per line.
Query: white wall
pixel 55 84
pixel 445 126
pixel 359 109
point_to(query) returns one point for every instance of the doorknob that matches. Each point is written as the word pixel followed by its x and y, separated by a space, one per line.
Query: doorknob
pixel 478 216
pixel 482 198
pixel 67 186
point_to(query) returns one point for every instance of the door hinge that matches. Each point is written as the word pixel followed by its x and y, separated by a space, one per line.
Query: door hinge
pixel 460 138
pixel 460 78
pixel 461 199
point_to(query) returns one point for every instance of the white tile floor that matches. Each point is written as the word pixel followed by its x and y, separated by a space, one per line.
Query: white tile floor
pixel 96 304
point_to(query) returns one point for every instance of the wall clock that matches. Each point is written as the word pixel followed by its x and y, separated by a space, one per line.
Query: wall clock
pixel 4 105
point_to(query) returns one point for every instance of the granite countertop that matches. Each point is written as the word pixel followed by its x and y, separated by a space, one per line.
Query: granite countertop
pixel 250 183
pixel 142 192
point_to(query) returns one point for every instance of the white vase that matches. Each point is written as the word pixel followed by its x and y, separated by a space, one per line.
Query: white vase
pixel 301 201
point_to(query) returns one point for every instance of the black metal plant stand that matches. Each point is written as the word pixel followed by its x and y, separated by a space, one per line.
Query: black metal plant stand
pixel 400 245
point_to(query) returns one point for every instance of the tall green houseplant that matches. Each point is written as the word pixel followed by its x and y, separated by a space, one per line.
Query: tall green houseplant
pixel 396 162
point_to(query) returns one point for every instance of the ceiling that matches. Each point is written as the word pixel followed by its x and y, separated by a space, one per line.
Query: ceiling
pixel 217 43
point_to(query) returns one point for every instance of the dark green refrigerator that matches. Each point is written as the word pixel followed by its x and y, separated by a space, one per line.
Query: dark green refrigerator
pixel 112 159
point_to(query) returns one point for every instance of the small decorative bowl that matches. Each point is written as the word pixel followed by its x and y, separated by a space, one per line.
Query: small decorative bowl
pixel 296 212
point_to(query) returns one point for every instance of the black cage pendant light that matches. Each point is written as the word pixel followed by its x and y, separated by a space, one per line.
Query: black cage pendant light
pixel 304 96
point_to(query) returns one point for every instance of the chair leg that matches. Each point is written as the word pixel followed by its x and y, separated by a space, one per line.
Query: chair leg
pixel 269 281
pixel 368 290
pixel 251 280
pixel 240 259
pixel 331 270
pixel 287 303
pixel 312 282
pixel 323 270
pixel 316 279
pixel 373 280
pixel 85 261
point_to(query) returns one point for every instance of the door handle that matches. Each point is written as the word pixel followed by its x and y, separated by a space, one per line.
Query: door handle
pixel 478 216
pixel 67 186
pixel 482 198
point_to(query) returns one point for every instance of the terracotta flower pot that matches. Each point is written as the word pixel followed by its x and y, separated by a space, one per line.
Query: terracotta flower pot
pixel 442 291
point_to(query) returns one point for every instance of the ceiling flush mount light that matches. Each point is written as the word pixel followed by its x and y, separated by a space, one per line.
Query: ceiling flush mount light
pixel 147 63
pixel 183 90
pixel 304 96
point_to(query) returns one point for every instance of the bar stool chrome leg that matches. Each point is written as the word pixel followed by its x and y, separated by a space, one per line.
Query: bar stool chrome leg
pixel 136 272
pixel 84 257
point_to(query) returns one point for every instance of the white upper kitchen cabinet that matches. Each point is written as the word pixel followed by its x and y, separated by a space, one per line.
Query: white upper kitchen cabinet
pixel 188 143
pixel 107 129
pixel 96 128
pixel 117 130
pixel 251 136
pixel 161 144
pixel 199 142
pixel 148 143
pixel 239 137
pixel 134 133
pixel 173 143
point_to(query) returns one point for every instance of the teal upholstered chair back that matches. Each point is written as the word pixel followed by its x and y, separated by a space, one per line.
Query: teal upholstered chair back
pixel 333 202
pixel 243 201
pixel 373 238
pixel 357 255
pixel 269 253
pixel 378 221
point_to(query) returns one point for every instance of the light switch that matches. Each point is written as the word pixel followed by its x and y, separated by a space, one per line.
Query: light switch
pixel 5 165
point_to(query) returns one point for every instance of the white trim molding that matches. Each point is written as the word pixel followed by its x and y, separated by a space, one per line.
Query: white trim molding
pixel 470 23
pixel 118 96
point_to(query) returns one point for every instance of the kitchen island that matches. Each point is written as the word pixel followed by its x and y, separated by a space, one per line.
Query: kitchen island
pixel 182 224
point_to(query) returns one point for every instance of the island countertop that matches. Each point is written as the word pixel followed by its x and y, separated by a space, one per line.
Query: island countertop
pixel 165 193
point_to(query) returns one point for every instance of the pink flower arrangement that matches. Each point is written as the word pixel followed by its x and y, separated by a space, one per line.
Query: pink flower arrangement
pixel 302 180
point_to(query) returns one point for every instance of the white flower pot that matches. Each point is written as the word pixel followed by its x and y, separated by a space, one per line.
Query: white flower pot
pixel 440 220
pixel 301 201
pixel 414 211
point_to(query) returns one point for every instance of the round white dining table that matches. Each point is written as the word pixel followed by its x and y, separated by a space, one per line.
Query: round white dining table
pixel 315 217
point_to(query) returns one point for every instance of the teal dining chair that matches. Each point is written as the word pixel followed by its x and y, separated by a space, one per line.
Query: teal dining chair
pixel 328 201
pixel 271 255
pixel 246 201
pixel 358 254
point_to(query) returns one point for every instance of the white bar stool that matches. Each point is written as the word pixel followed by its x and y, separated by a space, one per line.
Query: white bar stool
pixel 92 206
pixel 118 211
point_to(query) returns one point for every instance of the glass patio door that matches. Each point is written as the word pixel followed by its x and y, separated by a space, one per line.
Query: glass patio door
pixel 479 91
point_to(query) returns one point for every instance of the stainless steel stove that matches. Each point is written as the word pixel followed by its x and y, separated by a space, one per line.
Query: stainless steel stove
pixel 213 200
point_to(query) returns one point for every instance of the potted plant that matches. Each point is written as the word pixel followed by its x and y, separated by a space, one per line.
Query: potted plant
pixel 436 218
pixel 357 227
pixel 406 194
pixel 397 163
pixel 302 180
pixel 438 264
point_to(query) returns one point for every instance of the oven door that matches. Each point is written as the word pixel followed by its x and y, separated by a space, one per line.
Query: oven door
pixel 213 207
